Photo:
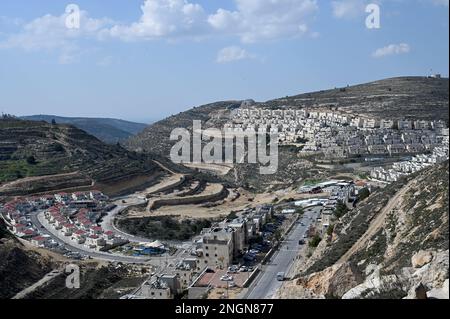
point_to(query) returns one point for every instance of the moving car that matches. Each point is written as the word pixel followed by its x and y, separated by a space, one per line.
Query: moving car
pixel 281 276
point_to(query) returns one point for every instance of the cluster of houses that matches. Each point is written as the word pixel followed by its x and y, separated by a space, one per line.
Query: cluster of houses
pixel 339 191
pixel 216 248
pixel 404 168
pixel 73 215
pixel 175 279
pixel 223 243
pixel 339 135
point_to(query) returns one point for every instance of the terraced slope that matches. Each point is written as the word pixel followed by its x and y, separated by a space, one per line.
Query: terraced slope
pixel 64 156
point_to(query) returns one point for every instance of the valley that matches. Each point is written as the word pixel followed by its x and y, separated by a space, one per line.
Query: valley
pixel 355 209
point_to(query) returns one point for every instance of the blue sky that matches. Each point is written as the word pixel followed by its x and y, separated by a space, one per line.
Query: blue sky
pixel 144 60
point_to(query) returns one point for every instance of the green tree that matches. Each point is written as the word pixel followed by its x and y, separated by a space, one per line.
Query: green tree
pixel 315 241
pixel 31 160
pixel 341 210
pixel 363 194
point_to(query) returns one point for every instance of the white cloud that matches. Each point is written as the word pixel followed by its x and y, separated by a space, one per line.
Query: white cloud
pixel 233 53
pixel 392 49
pixel 256 20
pixel 171 20
pixel 49 33
pixel 163 19
pixel 348 8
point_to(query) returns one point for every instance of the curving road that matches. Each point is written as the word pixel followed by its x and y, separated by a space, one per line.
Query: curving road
pixel 44 229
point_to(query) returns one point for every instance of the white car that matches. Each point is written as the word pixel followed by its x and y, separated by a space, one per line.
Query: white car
pixel 226 278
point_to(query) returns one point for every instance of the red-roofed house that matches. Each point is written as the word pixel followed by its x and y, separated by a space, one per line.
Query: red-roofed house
pixel 27 233
pixel 108 235
pixel 79 236
pixel 39 241
pixel 96 230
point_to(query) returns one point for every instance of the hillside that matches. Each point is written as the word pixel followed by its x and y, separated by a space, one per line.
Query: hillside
pixel 394 245
pixel 107 130
pixel 402 97
pixel 415 97
pixel 19 268
pixel 38 157
pixel 156 137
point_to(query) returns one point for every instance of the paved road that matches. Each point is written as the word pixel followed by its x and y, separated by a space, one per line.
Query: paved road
pixel 98 255
pixel 266 284
pixel 108 225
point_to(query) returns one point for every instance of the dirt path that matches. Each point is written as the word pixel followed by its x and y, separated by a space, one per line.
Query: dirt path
pixel 164 167
pixel 218 169
pixel 376 224
pixel 47 278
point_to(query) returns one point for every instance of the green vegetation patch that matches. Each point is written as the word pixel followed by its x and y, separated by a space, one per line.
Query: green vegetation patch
pixel 12 170
pixel 164 227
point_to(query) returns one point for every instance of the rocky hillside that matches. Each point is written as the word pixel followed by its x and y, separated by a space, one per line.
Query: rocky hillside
pixel 107 130
pixel 19 268
pixel 156 137
pixel 410 97
pixel 395 245
pixel 415 97
pixel 38 157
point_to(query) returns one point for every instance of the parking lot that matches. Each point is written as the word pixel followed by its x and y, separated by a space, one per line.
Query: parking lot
pixel 213 278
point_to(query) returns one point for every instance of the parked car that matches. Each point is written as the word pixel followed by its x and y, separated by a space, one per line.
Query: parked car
pixel 226 278
pixel 301 242
pixel 243 269
pixel 248 257
pixel 233 269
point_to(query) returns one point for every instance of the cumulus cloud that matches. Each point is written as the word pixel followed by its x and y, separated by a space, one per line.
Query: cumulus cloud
pixel 231 54
pixel 392 49
pixel 171 20
pixel 50 33
pixel 255 20
pixel 163 19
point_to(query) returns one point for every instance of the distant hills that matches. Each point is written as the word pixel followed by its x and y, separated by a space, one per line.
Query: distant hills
pixel 395 98
pixel 107 130
pixel 37 157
